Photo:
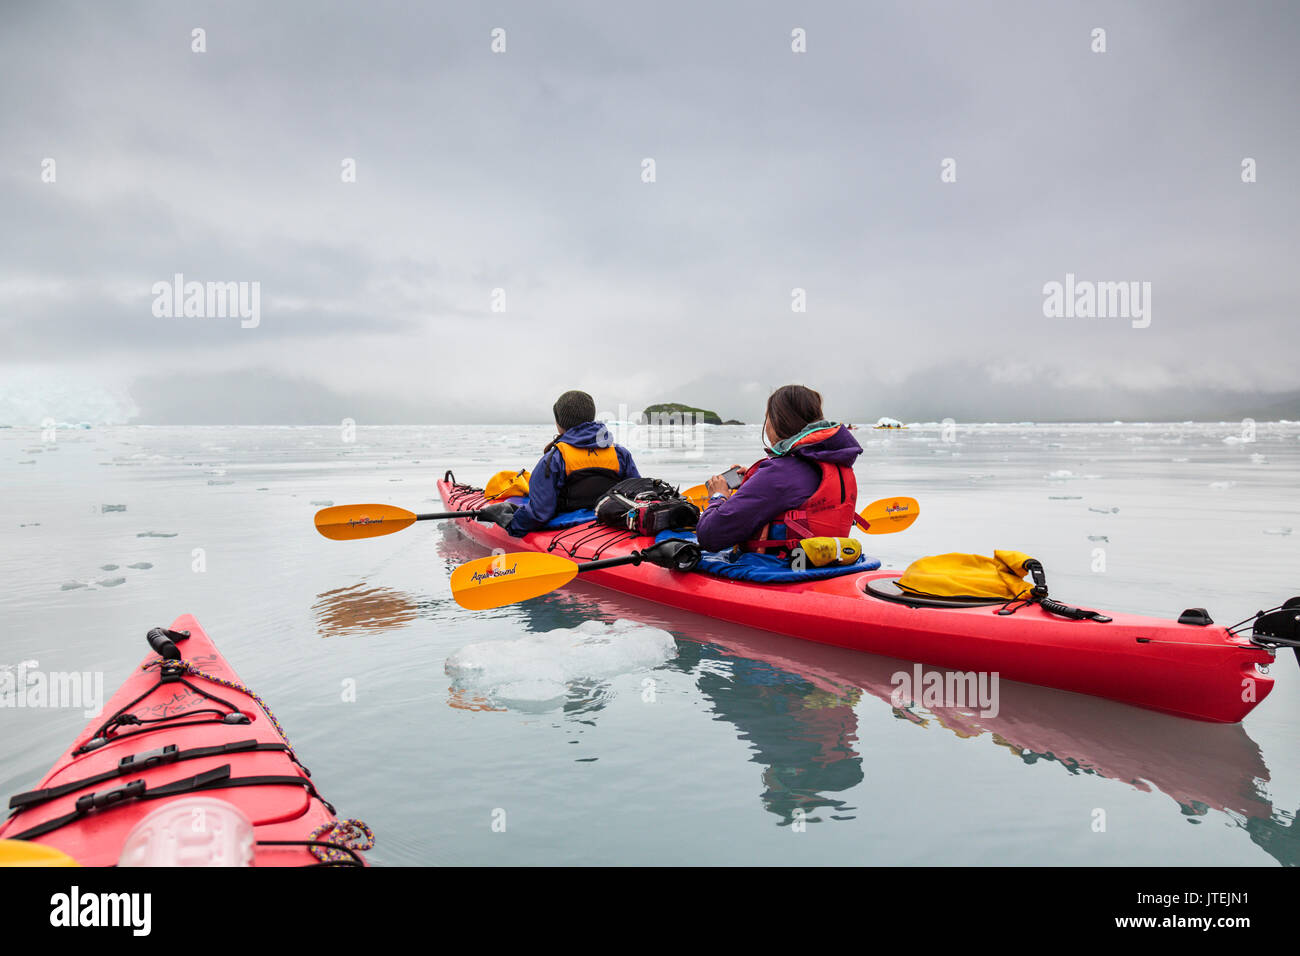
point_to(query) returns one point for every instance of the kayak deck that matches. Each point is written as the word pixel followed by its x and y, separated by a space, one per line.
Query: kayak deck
pixel 178 740
pixel 1202 672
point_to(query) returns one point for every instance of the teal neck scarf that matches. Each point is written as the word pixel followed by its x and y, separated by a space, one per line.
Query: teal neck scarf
pixel 785 444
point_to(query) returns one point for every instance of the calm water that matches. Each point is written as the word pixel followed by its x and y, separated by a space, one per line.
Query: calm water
pixel 625 746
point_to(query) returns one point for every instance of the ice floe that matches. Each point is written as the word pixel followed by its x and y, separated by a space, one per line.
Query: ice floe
pixel 538 669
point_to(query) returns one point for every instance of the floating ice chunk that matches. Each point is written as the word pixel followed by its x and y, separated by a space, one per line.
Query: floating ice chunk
pixel 1222 485
pixel 157 534
pixel 319 504
pixel 141 566
pixel 1282 531
pixel 108 567
pixel 72 586
pixel 1060 475
pixel 105 509
pixel 1178 459
pixel 1259 459
pixel 1104 511
pixel 538 668
pixel 111 582
pixel 1098 537
pixel 1065 497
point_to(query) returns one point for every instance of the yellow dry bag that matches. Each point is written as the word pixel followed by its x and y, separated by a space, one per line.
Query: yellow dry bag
pixel 506 484
pixel 821 552
pixel 969 575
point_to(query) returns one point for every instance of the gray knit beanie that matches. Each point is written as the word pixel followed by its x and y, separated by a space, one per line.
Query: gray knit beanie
pixel 574 408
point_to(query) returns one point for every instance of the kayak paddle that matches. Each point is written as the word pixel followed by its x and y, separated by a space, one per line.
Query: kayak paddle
pixel 888 515
pixel 349 522
pixel 880 517
pixel 698 496
pixel 501 579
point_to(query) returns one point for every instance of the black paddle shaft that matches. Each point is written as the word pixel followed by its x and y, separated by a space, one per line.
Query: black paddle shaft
pixel 446 514
pixel 633 558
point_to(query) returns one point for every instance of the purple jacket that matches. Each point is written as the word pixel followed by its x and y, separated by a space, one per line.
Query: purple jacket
pixel 780 484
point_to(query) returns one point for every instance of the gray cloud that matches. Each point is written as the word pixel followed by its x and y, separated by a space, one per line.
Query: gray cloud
pixel 775 171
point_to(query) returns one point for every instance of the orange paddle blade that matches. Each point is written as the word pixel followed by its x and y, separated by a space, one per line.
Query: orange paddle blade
pixel 501 579
pixel 698 496
pixel 348 522
pixel 889 515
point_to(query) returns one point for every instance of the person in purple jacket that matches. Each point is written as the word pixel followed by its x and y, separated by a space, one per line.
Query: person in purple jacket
pixel 805 487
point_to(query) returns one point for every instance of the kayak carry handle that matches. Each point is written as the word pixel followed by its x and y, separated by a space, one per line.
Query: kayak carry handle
pixel 163 641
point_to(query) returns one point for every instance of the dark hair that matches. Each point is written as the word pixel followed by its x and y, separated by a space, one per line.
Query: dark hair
pixel 792 408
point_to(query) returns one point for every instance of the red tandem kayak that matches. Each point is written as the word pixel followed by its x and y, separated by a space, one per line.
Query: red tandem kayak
pixel 1195 670
pixel 184 733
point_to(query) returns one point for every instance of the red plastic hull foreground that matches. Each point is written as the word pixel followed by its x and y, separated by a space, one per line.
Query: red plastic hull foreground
pixel 1200 672
pixel 278 812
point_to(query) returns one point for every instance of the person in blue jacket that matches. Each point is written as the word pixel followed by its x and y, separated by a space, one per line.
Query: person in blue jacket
pixel 576 468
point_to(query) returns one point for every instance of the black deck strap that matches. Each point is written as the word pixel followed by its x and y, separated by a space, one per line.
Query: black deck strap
pixel 137 763
pixel 118 738
pixel 216 779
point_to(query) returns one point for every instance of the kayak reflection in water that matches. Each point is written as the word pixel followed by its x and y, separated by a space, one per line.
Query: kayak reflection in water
pixel 580 464
pixel 803 735
pixel 805 487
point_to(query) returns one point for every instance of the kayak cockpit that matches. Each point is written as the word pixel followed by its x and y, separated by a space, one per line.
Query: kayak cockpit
pixel 887 589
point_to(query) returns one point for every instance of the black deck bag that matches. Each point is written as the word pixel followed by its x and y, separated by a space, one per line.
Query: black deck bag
pixel 646 506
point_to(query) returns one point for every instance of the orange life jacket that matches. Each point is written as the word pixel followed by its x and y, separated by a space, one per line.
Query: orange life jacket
pixel 588 474
pixel 830 511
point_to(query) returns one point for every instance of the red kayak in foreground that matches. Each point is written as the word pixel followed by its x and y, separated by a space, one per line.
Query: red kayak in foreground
pixel 1197 670
pixel 184 728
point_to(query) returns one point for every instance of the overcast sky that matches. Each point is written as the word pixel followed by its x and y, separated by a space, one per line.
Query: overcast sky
pixel 523 171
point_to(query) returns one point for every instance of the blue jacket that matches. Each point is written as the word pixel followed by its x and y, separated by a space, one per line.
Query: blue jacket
pixel 547 478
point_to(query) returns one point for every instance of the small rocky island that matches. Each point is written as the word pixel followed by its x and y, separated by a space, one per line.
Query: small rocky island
pixel 665 411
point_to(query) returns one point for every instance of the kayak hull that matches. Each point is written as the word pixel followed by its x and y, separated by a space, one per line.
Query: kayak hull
pixel 1203 673
pixel 289 810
